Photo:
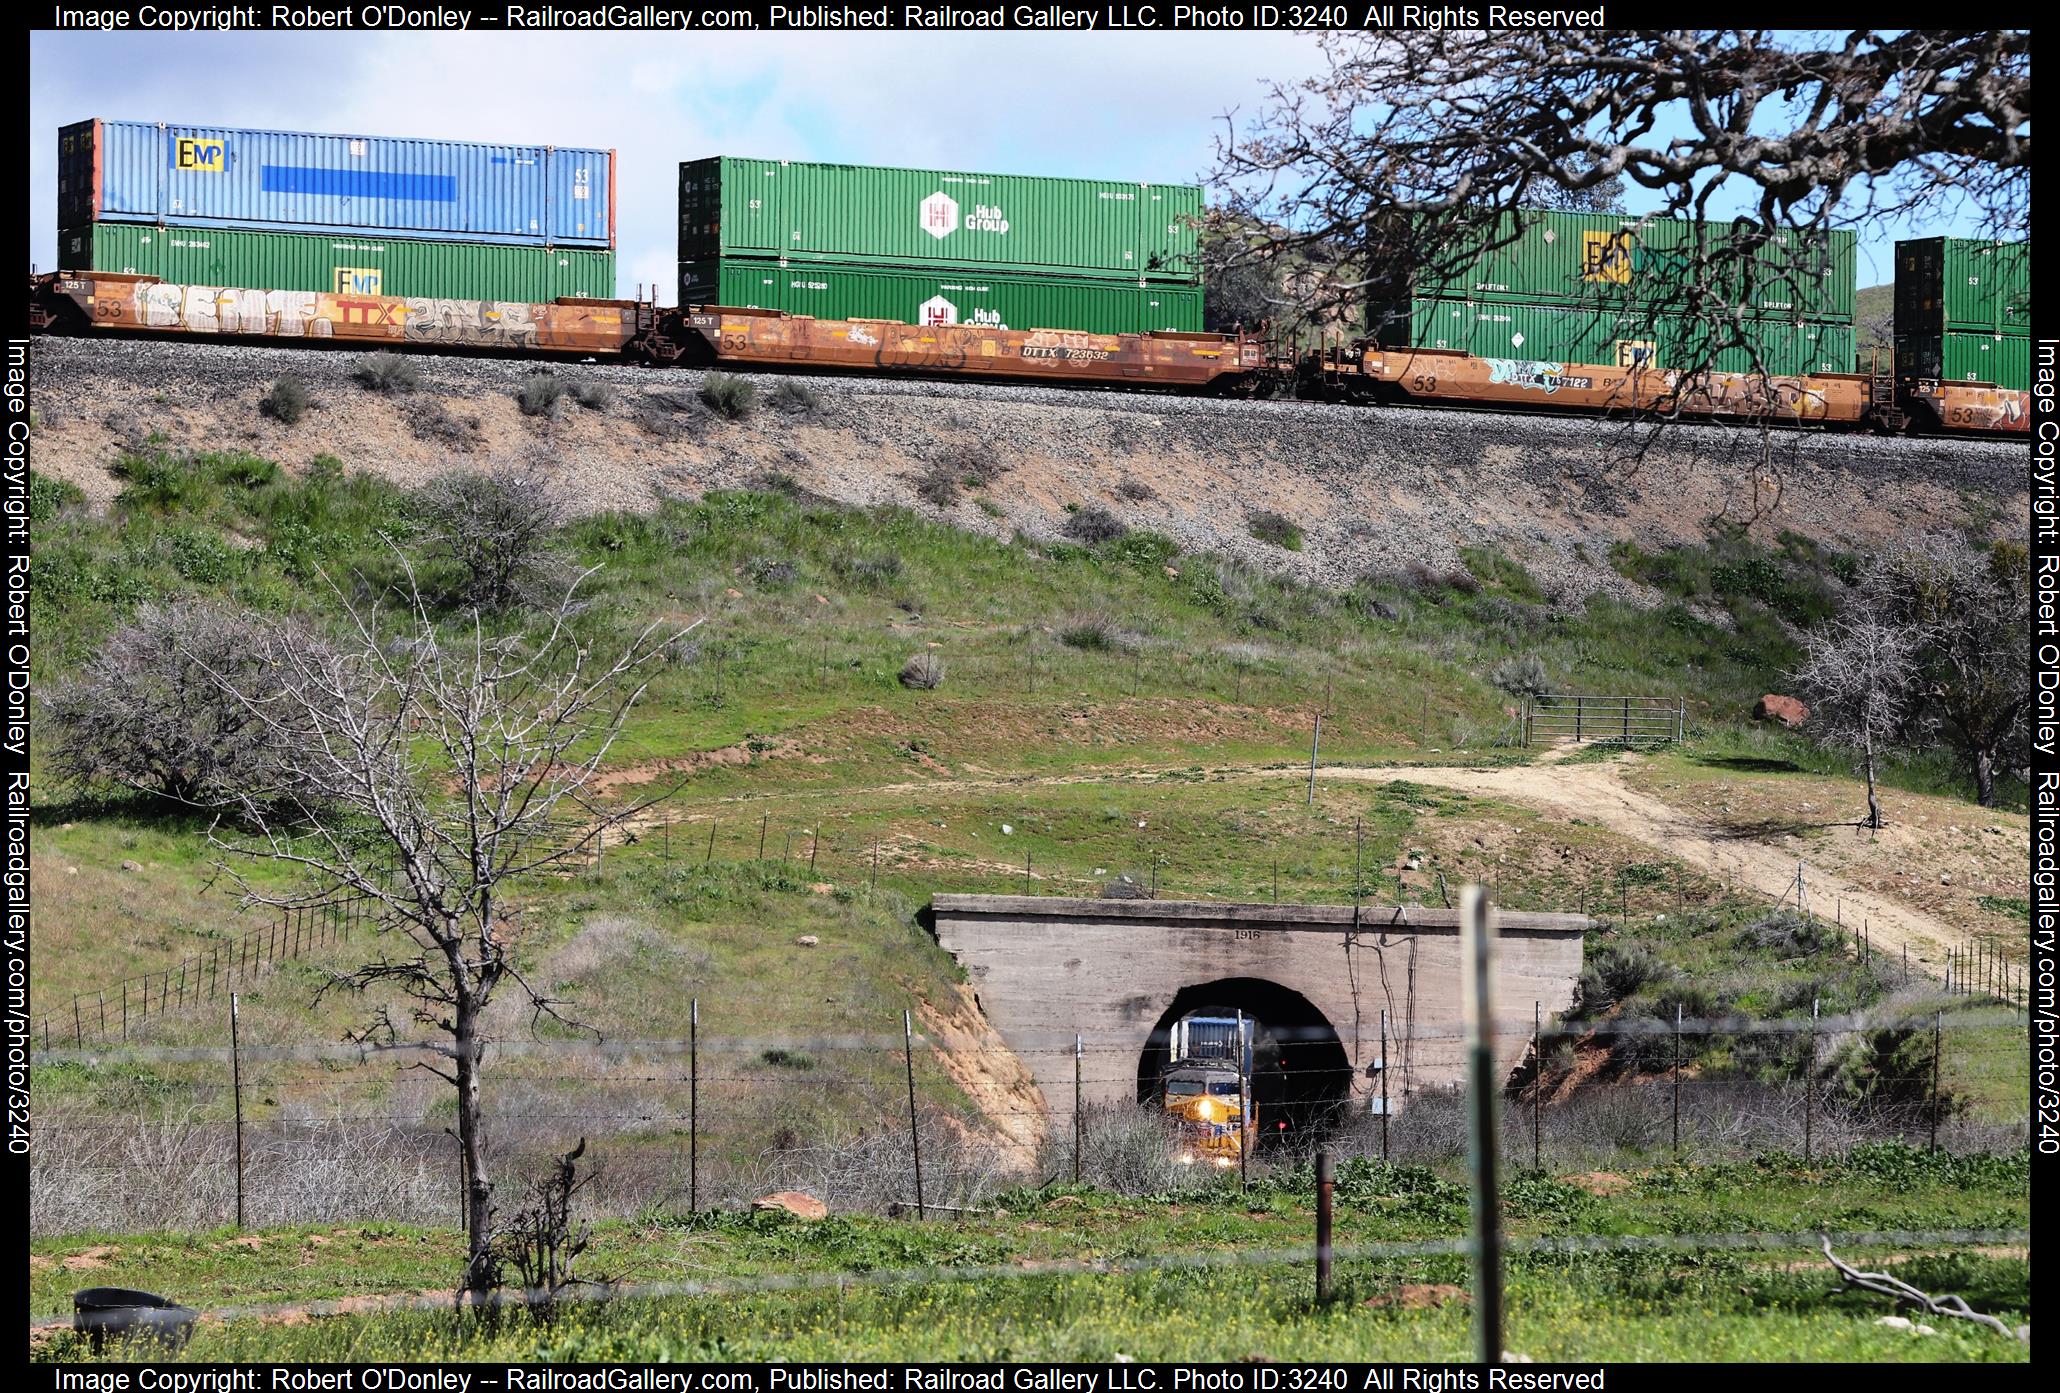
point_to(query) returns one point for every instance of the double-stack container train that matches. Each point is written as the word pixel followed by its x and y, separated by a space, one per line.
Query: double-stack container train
pixel 340 240
pixel 353 215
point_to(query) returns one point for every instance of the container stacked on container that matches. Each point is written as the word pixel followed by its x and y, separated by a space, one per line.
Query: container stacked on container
pixel 925 246
pixel 1963 311
pixel 1609 289
pixel 349 215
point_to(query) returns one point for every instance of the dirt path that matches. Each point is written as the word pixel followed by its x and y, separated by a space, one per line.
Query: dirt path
pixel 1597 793
pixel 1594 792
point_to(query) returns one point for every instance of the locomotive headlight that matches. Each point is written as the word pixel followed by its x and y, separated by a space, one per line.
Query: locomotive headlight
pixel 1224 1163
pixel 1207 1110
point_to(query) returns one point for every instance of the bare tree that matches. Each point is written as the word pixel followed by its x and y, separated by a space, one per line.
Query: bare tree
pixel 148 711
pixel 430 772
pixel 1856 674
pixel 498 528
pixel 1972 687
pixel 1410 149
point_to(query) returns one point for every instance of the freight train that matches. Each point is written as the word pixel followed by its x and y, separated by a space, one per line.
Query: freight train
pixel 1239 364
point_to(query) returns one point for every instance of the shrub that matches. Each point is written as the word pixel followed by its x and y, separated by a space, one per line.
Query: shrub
pixel 1523 675
pixel 1146 551
pixel 1135 490
pixel 48 497
pixel 923 672
pixel 1616 971
pixel 769 570
pixel 1277 528
pixel 794 398
pixel 497 528
pixel 938 486
pixel 287 402
pixel 1786 934
pixel 731 398
pixel 1095 524
pixel 1095 633
pixel 388 372
pixel 1126 887
pixel 539 396
pixel 594 396
pixel 782 1058
pixel 153 709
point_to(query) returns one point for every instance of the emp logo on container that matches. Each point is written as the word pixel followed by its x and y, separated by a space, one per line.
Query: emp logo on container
pixel 939 215
pixel 1606 256
pixel 357 280
pixel 195 152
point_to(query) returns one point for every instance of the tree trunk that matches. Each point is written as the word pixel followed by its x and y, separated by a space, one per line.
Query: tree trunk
pixel 478 1257
pixel 1985 777
pixel 1873 802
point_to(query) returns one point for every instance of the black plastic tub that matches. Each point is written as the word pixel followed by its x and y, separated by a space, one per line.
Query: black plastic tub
pixel 114 1313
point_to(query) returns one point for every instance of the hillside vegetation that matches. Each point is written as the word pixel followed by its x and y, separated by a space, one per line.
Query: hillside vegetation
pixel 1108 704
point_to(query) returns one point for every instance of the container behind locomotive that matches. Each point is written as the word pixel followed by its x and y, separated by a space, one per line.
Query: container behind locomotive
pixel 293 181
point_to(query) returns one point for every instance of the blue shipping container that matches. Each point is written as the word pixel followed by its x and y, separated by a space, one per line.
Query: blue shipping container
pixel 287 181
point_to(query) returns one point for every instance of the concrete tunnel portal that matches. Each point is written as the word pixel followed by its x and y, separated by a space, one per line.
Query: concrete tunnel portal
pixel 1321 980
pixel 1301 1073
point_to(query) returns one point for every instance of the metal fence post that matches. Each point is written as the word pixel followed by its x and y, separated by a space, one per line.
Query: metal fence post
pixel 915 1137
pixel 1079 1111
pixel 1315 743
pixel 1477 982
pixel 1384 1085
pixel 709 855
pixel 1938 1025
pixel 236 1086
pixel 1537 1081
pixel 694 1106
pixel 1677 1080
pixel 1324 1186
pixel 1810 1083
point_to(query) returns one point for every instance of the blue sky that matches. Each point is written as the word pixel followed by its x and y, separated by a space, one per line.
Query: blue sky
pixel 1122 106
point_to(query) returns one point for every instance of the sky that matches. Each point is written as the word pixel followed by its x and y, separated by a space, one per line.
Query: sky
pixel 1142 106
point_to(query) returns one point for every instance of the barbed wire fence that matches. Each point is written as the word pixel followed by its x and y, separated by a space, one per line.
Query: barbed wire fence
pixel 290 1132
pixel 1980 968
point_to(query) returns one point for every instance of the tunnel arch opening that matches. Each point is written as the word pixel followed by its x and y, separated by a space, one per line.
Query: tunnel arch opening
pixel 1301 1074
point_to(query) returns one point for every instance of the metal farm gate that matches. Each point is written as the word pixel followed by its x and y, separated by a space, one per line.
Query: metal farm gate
pixel 1630 720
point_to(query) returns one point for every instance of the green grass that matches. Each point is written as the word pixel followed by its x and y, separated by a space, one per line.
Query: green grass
pixel 1625 1305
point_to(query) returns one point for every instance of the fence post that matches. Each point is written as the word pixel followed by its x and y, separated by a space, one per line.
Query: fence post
pixel 1324 1185
pixel 762 822
pixel 125 1012
pixel 874 884
pixel 1026 870
pixel 915 1137
pixel 78 1026
pixel 1079 1112
pixel 1477 983
pixel 236 1085
pixel 1938 1025
pixel 1677 1080
pixel 1627 720
pixel 1315 743
pixel 694 1106
pixel 815 840
pixel 1384 1085
pixel 1537 1080
pixel 1810 1083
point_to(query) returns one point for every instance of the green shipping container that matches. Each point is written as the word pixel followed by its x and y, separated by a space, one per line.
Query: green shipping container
pixel 1945 284
pixel 850 215
pixel 1547 333
pixel 1612 261
pixel 344 265
pixel 2001 359
pixel 914 296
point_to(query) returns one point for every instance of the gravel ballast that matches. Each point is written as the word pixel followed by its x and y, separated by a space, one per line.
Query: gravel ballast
pixel 1370 489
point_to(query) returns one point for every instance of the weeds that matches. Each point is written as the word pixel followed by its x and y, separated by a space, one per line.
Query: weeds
pixel 287 402
pixel 731 398
pixel 387 372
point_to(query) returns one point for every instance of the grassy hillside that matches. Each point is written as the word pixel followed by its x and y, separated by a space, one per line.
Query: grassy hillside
pixel 1108 706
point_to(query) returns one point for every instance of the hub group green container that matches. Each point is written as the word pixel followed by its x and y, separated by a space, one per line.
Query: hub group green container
pixel 849 215
pixel 1549 333
pixel 1613 261
pixel 919 296
pixel 1962 284
pixel 344 265
pixel 2003 360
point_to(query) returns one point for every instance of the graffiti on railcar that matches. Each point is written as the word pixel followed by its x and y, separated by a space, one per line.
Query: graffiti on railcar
pixel 477 323
pixel 207 309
